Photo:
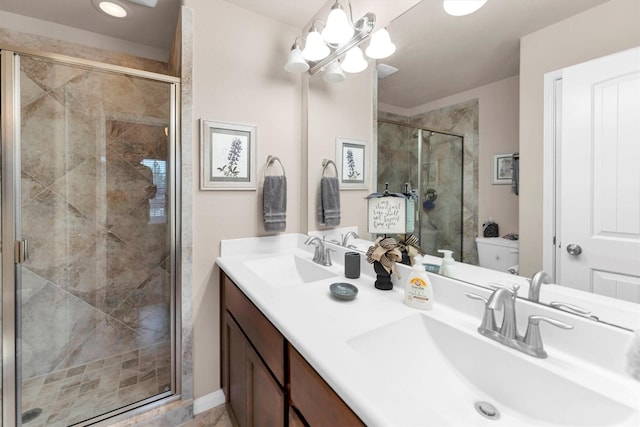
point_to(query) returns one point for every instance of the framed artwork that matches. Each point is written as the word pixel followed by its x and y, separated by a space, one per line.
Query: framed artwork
pixel 352 163
pixel 502 168
pixel 227 156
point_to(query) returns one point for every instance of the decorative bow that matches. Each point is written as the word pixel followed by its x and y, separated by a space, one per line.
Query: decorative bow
pixel 410 246
pixel 386 252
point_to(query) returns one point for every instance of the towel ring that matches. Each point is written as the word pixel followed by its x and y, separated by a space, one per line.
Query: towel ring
pixel 271 160
pixel 326 163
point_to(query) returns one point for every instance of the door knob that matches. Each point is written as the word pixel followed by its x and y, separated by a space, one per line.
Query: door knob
pixel 574 249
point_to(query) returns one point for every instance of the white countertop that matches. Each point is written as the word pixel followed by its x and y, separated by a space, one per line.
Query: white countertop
pixel 320 327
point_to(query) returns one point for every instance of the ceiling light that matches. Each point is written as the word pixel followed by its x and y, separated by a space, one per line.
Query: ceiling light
pixel 380 46
pixel 462 7
pixel 354 61
pixel 112 9
pixel 338 29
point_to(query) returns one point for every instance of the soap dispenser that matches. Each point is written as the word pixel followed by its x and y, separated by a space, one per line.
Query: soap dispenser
pixel 418 292
pixel 447 262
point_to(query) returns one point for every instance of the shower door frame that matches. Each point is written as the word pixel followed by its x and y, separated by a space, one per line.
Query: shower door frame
pixel 11 229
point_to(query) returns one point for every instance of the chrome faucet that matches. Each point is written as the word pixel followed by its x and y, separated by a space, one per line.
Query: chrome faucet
pixel 504 298
pixel 537 281
pixel 321 255
pixel 345 238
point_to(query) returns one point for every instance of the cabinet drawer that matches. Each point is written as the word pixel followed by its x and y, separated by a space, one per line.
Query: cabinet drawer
pixel 266 339
pixel 312 396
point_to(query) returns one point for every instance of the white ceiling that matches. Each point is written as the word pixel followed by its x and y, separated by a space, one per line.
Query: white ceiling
pixel 146 26
pixel 440 55
pixel 437 55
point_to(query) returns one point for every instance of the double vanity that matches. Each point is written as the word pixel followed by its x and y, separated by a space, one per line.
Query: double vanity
pixel 292 350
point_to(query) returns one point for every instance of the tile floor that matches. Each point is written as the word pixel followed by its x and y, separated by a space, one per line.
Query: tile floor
pixel 71 395
pixel 216 417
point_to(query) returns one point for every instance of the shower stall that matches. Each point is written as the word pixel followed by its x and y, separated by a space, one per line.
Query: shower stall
pixel 432 163
pixel 89 231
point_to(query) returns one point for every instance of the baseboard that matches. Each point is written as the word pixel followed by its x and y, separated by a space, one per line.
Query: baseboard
pixel 208 401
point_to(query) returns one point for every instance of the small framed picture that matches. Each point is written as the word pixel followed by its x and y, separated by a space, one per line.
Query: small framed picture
pixel 227 156
pixel 502 168
pixel 352 162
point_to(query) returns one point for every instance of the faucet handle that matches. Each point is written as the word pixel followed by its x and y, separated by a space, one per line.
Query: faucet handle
pixel 533 339
pixel 476 297
pixel 488 317
pixel 565 306
pixel 327 257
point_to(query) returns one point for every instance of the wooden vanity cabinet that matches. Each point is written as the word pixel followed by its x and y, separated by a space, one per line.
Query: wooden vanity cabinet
pixel 314 398
pixel 265 380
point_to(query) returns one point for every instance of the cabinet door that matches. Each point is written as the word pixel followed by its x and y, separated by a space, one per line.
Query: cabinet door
pixel 267 401
pixel 294 419
pixel 311 395
pixel 255 397
pixel 236 388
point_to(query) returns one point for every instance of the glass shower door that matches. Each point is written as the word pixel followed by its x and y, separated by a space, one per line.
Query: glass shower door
pixel 96 292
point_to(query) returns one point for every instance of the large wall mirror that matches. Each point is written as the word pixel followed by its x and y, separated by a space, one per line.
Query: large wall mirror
pixel 468 92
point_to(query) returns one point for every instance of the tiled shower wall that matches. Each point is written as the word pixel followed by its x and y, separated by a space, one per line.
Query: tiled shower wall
pixel 398 165
pixel 97 282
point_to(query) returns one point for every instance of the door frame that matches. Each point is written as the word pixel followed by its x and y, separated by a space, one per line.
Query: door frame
pixel 551 203
pixel 10 97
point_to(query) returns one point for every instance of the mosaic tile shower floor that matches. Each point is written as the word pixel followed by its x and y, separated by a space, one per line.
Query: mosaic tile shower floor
pixel 72 395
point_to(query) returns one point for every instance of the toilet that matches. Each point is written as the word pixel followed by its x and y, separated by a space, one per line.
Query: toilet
pixel 499 254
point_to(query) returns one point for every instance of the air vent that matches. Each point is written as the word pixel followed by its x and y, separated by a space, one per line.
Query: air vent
pixel 385 70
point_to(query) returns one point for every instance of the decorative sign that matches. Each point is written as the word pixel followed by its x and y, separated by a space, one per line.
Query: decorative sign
pixel 389 215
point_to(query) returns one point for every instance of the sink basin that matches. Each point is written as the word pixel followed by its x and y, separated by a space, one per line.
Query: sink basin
pixel 287 270
pixel 451 369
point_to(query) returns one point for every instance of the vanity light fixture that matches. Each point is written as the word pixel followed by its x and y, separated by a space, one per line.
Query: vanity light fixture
pixel 462 7
pixel 341 35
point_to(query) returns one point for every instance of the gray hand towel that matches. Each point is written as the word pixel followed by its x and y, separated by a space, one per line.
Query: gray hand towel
pixel 330 199
pixel 275 203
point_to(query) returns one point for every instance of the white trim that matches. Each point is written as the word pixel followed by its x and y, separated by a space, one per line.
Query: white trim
pixel 550 185
pixel 208 401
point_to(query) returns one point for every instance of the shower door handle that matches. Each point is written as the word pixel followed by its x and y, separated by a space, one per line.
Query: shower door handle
pixel 21 251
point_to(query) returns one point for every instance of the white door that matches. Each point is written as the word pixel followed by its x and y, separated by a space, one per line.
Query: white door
pixel 600 177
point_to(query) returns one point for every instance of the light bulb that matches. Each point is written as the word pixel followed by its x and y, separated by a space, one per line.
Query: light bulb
pixel 334 73
pixel 381 45
pixel 354 61
pixel 315 49
pixel 296 63
pixel 338 29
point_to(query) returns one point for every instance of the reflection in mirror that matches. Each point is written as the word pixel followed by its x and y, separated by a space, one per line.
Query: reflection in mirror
pixel 431 163
pixel 438 79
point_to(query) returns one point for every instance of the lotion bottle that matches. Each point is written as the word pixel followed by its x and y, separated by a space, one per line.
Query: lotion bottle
pixel 418 292
pixel 447 262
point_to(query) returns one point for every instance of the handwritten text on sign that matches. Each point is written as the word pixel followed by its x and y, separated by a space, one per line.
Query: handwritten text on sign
pixel 387 215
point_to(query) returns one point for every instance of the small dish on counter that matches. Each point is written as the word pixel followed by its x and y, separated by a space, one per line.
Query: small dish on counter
pixel 343 291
